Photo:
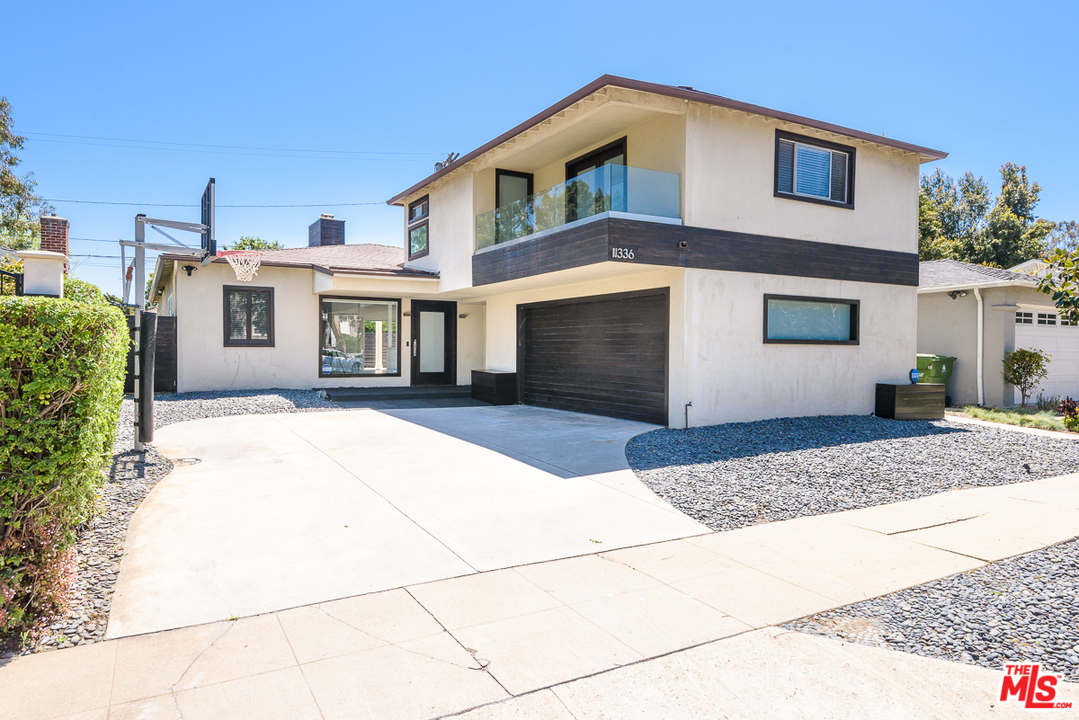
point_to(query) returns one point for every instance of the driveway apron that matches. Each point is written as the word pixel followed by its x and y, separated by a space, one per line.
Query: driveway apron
pixel 263 513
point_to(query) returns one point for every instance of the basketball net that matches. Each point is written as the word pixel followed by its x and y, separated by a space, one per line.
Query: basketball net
pixel 245 263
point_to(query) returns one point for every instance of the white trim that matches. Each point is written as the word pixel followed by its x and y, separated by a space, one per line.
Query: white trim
pixel 974 286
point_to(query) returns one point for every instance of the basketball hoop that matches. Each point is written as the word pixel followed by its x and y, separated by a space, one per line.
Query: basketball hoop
pixel 245 263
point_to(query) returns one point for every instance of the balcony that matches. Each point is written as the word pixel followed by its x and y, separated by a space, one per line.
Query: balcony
pixel 609 190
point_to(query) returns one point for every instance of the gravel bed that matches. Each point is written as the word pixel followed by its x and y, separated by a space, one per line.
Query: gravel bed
pixel 741 474
pixel 130 477
pixel 1024 609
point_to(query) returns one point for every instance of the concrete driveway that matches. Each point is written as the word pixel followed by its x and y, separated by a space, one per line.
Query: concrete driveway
pixel 267 512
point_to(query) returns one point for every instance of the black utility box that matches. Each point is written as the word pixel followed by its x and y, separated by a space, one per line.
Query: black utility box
pixel 923 401
pixel 495 387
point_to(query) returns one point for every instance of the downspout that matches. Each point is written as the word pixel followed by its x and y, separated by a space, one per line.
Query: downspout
pixel 981 347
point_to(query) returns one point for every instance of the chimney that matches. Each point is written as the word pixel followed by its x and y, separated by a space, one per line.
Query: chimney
pixel 326 231
pixel 54 235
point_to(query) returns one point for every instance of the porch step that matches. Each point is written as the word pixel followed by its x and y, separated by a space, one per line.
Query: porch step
pixel 438 392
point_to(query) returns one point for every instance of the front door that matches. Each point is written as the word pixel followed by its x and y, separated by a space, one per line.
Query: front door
pixel 434 343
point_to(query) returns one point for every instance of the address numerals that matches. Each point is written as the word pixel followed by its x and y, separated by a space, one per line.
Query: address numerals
pixel 621 253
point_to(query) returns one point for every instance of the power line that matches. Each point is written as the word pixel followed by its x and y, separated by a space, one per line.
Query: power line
pixel 173 145
pixel 107 202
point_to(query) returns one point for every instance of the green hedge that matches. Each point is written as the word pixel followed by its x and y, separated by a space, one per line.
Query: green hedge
pixel 61 384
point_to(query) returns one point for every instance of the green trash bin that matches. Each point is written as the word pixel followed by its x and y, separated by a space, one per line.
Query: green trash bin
pixel 934 369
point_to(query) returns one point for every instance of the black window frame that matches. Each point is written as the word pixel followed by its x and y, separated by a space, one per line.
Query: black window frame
pixel 823 145
pixel 416 223
pixel 855 320
pixel 511 173
pixel 572 165
pixel 323 298
pixel 248 290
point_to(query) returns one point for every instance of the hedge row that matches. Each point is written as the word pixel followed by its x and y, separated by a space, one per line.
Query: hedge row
pixel 61 384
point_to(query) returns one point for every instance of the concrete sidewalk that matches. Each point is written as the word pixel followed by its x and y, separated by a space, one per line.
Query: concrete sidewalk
pixel 671 629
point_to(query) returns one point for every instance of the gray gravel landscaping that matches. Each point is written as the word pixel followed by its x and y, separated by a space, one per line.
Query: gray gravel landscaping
pixel 1025 608
pixel 131 476
pixel 741 474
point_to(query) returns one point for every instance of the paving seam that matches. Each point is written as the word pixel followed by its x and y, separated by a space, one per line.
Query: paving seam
pixel 486 668
pixel 380 495
pixel 306 682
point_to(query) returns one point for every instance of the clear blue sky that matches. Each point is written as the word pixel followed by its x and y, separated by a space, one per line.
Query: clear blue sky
pixel 988 82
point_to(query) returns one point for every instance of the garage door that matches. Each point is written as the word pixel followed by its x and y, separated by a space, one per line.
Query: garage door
pixel 604 355
pixel 1044 331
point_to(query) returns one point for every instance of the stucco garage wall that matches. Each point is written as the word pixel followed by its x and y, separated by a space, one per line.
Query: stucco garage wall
pixel 502 320
pixel 950 327
pixel 731 375
pixel 730 181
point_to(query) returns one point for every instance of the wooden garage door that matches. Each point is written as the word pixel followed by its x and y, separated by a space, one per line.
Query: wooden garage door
pixel 605 355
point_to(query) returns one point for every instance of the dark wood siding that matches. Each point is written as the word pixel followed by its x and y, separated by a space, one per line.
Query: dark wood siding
pixel 604 355
pixel 692 247
pixel 164 356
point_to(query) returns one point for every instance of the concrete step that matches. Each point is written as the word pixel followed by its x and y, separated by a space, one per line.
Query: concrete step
pixel 437 392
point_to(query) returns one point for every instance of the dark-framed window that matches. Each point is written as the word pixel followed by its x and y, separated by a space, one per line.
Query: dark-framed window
pixel 359 336
pixel 795 319
pixel 418 240
pixel 610 154
pixel 249 316
pixel 814 170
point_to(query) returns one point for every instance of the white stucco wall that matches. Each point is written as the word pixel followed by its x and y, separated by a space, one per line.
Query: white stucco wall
pixel 730 182
pixel 205 363
pixel 731 375
pixel 718 358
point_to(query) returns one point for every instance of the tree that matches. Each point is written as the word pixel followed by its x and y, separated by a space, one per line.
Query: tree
pixel 1063 236
pixel 1012 234
pixel 1025 369
pixel 961 221
pixel 20 206
pixel 253 243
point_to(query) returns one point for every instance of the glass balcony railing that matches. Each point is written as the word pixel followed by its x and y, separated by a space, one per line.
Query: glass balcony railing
pixel 609 188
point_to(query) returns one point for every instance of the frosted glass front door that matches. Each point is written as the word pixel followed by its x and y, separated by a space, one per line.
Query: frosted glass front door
pixel 432 342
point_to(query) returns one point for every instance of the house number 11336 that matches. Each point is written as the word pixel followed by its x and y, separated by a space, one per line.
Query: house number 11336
pixel 622 253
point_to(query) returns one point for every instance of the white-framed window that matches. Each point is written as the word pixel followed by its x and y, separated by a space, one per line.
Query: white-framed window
pixel 814 170
pixel 1024 318
pixel 1065 322
pixel 1047 319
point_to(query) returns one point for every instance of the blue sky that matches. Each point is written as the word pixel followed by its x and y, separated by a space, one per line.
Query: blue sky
pixel 399 86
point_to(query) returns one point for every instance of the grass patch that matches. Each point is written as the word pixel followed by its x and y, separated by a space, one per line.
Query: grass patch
pixel 1042 419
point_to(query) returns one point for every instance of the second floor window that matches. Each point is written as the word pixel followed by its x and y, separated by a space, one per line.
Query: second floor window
pixel 417 228
pixel 814 170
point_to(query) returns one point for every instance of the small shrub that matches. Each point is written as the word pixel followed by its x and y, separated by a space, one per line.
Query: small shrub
pixel 1025 369
pixel 82 291
pixel 61 382
pixel 1047 404
pixel 1070 413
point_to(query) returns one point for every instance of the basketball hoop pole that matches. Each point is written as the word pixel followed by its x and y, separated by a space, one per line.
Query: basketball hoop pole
pixel 140 303
pixel 143 360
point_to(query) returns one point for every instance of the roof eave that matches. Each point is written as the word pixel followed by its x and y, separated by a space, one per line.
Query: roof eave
pixel 971 286
pixel 924 154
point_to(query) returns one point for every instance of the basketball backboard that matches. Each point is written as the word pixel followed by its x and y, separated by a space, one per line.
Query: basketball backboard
pixel 209 238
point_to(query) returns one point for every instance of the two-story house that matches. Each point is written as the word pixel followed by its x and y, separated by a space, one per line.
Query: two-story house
pixel 636 250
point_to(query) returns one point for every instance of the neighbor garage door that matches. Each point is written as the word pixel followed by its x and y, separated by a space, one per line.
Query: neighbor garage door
pixel 605 355
pixel 1043 331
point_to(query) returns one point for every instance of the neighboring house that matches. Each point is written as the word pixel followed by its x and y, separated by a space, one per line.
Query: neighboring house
pixel 636 250
pixel 1014 314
